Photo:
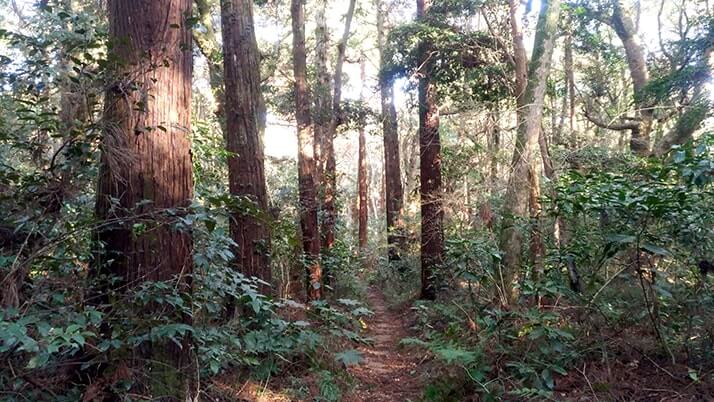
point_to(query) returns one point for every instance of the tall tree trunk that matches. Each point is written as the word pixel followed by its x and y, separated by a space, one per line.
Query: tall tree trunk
pixel 537 247
pixel 330 187
pixel 394 193
pixel 207 42
pixel 362 170
pixel 306 159
pixel 570 83
pixel 146 156
pixel 432 213
pixel 494 145
pixel 362 184
pixel 626 30
pixel 323 99
pixel 517 193
pixel 246 165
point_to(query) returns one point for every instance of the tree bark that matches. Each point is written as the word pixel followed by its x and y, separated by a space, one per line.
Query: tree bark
pixel 306 158
pixel 207 42
pixel 570 82
pixel 432 213
pixel 362 170
pixel 330 172
pixel 494 145
pixel 635 54
pixel 323 99
pixel 394 193
pixel 537 247
pixel 362 184
pixel 246 164
pixel 517 193
pixel 145 178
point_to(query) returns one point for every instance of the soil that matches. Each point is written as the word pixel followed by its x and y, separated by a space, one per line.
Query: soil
pixel 388 372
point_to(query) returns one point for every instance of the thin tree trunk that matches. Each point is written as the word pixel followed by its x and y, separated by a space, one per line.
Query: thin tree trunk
pixel 146 156
pixel 246 164
pixel 570 82
pixel 207 42
pixel 362 170
pixel 394 192
pixel 517 194
pixel 432 213
pixel 362 191
pixel 330 185
pixel 306 160
pixel 561 235
pixel 494 145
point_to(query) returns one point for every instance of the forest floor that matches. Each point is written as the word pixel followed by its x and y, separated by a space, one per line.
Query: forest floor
pixel 388 372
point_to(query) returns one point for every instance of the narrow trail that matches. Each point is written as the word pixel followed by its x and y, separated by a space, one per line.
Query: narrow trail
pixel 388 373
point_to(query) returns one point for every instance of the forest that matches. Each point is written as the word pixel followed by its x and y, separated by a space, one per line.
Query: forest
pixel 356 200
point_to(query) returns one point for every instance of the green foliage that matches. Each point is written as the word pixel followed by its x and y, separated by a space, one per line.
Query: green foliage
pixel 329 390
pixel 526 346
pixel 466 66
pixel 349 357
pixel 647 226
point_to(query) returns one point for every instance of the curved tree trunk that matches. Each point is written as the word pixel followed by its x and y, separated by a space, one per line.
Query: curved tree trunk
pixel 432 213
pixel 306 159
pixel 146 156
pixel 626 30
pixel 244 106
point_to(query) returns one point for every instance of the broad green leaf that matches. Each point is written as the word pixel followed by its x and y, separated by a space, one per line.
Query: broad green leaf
pixel 349 357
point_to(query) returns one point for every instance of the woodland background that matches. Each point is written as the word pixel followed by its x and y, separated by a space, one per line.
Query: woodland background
pixel 213 200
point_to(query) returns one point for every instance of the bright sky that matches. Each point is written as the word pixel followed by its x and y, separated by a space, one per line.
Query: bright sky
pixel 280 137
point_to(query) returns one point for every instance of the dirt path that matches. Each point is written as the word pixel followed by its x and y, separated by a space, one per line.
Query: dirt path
pixel 388 373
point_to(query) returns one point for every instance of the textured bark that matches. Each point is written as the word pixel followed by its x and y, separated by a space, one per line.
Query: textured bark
pixel 246 164
pixel 537 247
pixel 362 191
pixel 330 172
pixel 494 145
pixel 520 59
pixel 432 213
pixel 518 190
pixel 323 99
pixel 306 159
pixel 570 82
pixel 362 171
pixel 394 193
pixel 146 156
pixel 626 30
